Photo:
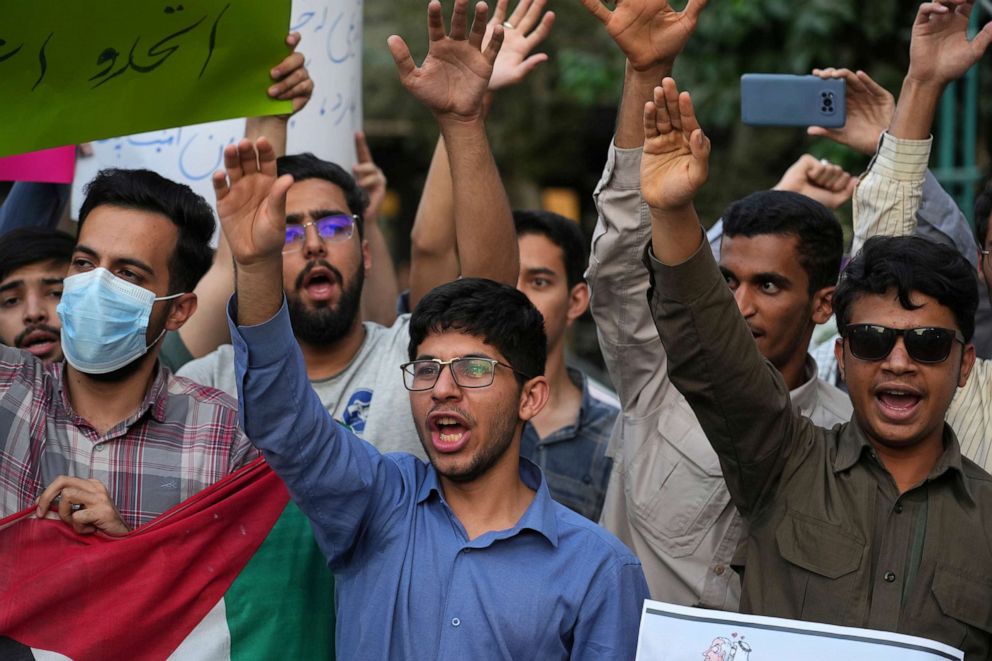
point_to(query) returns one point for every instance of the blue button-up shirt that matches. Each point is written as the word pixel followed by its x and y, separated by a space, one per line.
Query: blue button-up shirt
pixel 410 584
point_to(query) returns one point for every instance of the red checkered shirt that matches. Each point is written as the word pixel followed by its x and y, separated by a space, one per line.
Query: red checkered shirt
pixel 183 438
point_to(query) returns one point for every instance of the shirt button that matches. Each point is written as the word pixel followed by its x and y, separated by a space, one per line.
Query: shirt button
pixel 889 577
pixel 898 508
pixel 100 447
pixel 719 569
pixel 455 622
pixel 587 479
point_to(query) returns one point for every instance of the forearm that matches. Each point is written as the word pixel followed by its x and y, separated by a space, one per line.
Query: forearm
pixel 258 290
pixel 889 193
pixel 484 232
pixel 916 109
pixel 676 234
pixel 638 89
pixel 434 256
pixel 381 289
pixel 273 127
pixel 740 400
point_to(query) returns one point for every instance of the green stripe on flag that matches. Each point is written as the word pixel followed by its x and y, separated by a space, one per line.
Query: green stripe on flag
pixel 282 605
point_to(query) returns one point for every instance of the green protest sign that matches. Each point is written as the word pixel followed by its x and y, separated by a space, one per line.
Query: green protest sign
pixel 79 70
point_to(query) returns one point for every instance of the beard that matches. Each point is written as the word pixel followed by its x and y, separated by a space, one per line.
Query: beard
pixel 326 324
pixel 500 438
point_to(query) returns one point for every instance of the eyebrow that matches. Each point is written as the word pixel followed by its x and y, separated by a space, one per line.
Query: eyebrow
pixel 468 355
pixel 119 260
pixel 540 270
pixel 13 284
pixel 316 214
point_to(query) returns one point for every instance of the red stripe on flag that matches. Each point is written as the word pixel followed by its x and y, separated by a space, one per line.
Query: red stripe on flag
pixel 137 596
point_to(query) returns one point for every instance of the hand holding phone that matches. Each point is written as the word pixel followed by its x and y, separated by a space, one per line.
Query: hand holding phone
pixel 787 100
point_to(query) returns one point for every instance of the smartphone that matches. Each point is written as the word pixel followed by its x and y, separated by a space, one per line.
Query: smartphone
pixel 785 100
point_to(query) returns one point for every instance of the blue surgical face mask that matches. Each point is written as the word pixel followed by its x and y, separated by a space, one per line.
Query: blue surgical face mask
pixel 104 321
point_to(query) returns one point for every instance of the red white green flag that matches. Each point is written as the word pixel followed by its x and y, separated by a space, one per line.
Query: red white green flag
pixel 231 573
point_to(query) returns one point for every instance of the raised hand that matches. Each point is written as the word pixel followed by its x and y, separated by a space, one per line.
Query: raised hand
pixel 454 77
pixel 869 111
pixel 369 176
pixel 251 202
pixel 292 80
pixel 820 180
pixel 523 31
pixel 939 51
pixel 649 32
pixel 675 164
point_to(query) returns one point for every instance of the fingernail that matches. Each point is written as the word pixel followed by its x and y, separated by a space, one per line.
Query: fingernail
pixel 273 90
pixel 276 73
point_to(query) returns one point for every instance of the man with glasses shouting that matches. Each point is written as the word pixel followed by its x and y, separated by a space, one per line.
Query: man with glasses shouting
pixel 878 522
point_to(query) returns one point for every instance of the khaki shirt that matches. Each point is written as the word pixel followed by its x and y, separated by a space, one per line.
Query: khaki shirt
pixel 831 539
pixel 666 499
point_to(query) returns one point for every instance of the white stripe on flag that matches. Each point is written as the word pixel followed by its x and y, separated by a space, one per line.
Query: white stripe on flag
pixel 210 640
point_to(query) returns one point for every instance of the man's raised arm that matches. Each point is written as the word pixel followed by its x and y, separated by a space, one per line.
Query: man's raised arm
pixel 739 399
pixel 451 82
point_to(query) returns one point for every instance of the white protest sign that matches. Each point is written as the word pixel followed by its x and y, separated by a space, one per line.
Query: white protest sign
pixel 331 33
pixel 674 633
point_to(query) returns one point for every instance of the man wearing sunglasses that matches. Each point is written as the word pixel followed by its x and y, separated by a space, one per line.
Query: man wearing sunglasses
pixel 887 199
pixel 878 522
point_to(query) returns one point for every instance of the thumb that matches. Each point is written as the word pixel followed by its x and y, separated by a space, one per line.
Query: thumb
pixel 401 55
pixel 982 40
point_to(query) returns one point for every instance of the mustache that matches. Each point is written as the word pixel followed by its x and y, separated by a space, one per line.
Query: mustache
pixel 311 265
pixel 19 340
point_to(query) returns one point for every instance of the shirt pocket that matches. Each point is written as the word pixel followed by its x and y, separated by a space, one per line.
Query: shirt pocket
pixel 827 568
pixel 963 614
pixel 673 482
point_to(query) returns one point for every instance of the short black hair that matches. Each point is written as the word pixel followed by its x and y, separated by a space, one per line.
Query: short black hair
pixel 559 230
pixel 983 209
pixel 821 240
pixel 910 264
pixel 307 166
pixel 149 191
pixel 502 316
pixel 30 245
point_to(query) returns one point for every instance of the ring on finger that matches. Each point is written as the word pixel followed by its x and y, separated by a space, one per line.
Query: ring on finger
pixel 508 25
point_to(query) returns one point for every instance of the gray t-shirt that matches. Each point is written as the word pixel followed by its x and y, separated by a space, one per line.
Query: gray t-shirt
pixel 368 395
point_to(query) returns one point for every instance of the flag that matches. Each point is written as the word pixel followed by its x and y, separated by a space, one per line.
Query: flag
pixel 231 573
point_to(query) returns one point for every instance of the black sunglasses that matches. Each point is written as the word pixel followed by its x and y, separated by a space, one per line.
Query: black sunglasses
pixel 924 345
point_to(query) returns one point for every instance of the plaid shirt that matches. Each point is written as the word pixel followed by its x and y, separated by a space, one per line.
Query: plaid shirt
pixel 183 438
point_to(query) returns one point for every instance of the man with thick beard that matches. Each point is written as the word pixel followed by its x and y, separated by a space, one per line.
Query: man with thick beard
pixel 354 366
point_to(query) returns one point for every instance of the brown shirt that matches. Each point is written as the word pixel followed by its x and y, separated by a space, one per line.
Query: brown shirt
pixel 830 540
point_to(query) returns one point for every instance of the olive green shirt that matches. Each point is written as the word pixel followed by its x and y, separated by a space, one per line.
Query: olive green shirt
pixel 830 538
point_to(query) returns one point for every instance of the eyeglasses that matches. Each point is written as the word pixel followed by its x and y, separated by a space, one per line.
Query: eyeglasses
pixel 924 345
pixel 467 372
pixel 336 228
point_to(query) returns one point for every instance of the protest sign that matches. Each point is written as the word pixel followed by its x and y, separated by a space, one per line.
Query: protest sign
pixel 670 633
pixel 331 32
pixel 76 71
pixel 51 166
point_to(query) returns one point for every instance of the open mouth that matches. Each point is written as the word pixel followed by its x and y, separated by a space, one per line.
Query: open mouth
pixel 39 342
pixel 319 283
pixel 449 432
pixel 898 403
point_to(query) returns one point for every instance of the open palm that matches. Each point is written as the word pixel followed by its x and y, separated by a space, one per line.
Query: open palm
pixel 251 201
pixel 675 164
pixel 455 74
pixel 940 50
pixel 649 32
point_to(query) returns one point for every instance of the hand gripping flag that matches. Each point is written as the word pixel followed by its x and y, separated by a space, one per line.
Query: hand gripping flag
pixel 231 573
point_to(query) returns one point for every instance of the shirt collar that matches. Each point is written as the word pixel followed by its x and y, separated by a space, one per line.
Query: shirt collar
pixel 853 443
pixel 805 396
pixel 156 399
pixel 539 517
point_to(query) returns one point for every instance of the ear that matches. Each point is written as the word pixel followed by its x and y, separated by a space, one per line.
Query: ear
pixel 839 356
pixel 967 363
pixel 366 257
pixel 180 310
pixel 578 303
pixel 533 396
pixel 823 304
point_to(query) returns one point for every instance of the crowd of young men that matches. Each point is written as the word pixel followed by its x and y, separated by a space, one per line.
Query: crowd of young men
pixel 473 494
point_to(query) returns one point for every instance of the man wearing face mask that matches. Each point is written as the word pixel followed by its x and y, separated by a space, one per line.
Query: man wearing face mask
pixel 110 439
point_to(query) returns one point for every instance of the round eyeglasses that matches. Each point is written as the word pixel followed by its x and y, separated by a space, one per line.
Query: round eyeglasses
pixel 335 228
pixel 467 372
